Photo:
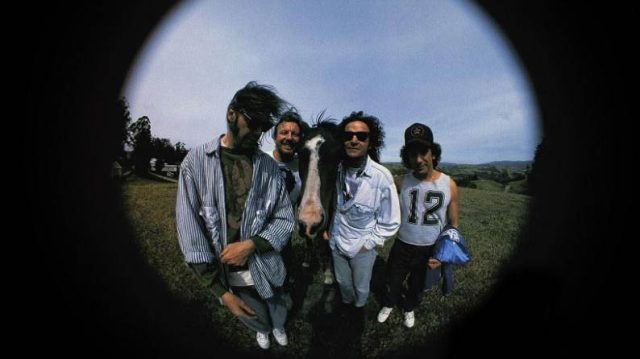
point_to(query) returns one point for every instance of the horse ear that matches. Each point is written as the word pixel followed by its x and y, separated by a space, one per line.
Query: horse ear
pixel 231 115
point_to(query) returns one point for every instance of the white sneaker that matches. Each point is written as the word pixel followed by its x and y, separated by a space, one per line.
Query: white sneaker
pixel 263 340
pixel 281 336
pixel 409 319
pixel 383 314
pixel 328 276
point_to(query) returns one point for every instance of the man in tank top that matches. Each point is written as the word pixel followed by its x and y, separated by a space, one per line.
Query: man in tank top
pixel 428 202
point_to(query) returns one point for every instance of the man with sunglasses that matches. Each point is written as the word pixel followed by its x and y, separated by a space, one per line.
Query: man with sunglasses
pixel 234 215
pixel 367 209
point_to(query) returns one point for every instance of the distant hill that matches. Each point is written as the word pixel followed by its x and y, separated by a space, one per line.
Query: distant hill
pixel 507 176
pixel 514 164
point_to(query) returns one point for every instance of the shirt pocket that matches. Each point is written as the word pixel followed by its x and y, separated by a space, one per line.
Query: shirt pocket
pixel 211 219
pixel 359 215
pixel 260 216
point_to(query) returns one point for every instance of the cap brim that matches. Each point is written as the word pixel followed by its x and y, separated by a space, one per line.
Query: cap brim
pixel 415 141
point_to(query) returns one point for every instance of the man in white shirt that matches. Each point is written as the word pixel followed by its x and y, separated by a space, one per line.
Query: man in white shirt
pixel 367 208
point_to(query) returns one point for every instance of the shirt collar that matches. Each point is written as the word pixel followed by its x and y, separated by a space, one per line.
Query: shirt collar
pixel 213 147
pixel 366 171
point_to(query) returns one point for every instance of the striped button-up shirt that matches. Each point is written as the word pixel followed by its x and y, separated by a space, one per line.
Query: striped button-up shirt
pixel 201 214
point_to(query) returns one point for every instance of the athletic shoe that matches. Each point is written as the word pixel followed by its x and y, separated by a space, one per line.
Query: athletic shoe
pixel 383 314
pixel 281 336
pixel 409 319
pixel 263 340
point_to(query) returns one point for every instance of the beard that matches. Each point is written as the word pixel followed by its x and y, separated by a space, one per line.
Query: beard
pixel 249 143
pixel 292 146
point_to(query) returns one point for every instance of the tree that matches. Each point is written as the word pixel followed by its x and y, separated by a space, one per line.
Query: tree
pixel 181 151
pixel 163 151
pixel 539 163
pixel 141 140
pixel 122 119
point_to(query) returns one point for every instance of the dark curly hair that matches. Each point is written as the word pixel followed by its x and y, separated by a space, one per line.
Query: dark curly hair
pixel 410 150
pixel 376 132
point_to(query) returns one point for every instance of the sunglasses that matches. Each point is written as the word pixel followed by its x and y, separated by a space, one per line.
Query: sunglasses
pixel 254 124
pixel 361 136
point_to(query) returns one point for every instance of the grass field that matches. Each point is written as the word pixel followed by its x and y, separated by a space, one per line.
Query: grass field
pixel 490 222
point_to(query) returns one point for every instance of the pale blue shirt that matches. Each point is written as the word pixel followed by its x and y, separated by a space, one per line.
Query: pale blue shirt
pixel 371 216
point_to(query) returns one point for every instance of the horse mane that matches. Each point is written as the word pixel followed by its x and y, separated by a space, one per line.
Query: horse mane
pixel 327 123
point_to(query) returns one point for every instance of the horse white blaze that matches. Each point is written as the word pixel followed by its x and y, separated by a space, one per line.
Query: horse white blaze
pixel 310 211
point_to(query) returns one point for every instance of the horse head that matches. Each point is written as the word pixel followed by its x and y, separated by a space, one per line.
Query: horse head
pixel 319 158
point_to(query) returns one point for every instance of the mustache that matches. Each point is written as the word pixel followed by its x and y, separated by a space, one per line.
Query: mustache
pixel 289 143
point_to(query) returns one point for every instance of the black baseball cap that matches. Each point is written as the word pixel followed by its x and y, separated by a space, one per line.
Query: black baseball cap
pixel 418 133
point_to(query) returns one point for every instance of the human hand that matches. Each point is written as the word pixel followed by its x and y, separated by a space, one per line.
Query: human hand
pixel 237 253
pixel 237 306
pixel 433 263
pixel 325 235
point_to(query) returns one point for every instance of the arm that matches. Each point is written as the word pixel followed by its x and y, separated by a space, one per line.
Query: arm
pixel 274 235
pixel 452 209
pixel 277 231
pixel 237 253
pixel 388 220
pixel 190 227
pixel 452 217
pixel 207 273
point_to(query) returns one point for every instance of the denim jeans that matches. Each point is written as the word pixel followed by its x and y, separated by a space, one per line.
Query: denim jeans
pixel 445 271
pixel 270 313
pixel 354 275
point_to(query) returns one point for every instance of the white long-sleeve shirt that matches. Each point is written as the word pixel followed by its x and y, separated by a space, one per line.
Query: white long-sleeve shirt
pixel 371 216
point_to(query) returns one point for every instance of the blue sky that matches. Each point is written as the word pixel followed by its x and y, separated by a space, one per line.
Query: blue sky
pixel 442 63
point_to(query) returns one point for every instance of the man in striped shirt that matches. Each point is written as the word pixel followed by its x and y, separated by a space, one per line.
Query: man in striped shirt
pixel 234 215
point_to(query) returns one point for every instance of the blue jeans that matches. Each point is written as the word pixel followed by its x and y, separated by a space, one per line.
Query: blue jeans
pixel 270 313
pixel 354 275
pixel 445 271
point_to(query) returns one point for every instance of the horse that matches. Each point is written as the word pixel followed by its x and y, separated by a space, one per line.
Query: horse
pixel 318 162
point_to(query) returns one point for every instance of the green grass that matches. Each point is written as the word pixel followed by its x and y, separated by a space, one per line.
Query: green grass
pixel 486 185
pixel 490 222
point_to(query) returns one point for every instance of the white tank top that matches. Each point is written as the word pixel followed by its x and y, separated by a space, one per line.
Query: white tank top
pixel 424 209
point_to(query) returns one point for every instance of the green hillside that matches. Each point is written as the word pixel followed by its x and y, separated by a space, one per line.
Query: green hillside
pixel 486 185
pixel 490 222
pixel 509 176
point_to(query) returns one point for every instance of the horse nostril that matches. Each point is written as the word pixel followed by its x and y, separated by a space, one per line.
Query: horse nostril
pixel 317 226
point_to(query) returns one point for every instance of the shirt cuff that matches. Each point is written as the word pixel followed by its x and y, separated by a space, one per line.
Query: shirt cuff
pixel 207 274
pixel 262 245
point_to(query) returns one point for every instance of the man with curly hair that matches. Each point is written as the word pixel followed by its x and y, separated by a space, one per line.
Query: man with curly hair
pixel 429 201
pixel 367 208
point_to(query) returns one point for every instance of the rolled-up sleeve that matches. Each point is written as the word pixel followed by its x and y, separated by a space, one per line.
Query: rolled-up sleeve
pixel 191 230
pixel 387 217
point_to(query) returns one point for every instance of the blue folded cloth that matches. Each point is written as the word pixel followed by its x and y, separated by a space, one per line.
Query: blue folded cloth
pixel 450 247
